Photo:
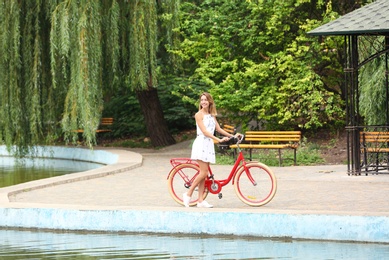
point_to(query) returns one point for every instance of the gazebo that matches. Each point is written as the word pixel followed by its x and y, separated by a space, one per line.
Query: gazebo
pixel 367 145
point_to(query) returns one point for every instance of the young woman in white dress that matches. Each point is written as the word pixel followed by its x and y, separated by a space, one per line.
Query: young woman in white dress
pixel 203 149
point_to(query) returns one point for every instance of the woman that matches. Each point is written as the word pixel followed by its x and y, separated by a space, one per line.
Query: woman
pixel 203 149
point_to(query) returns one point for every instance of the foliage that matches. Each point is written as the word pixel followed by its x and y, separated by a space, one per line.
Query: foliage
pixel 61 59
pixel 307 154
pixel 65 62
pixel 129 121
pixel 258 62
pixel 28 104
pixel 125 109
pixel 75 65
pixel 373 93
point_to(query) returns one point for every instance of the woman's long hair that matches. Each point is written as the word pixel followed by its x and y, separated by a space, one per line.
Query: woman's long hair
pixel 212 106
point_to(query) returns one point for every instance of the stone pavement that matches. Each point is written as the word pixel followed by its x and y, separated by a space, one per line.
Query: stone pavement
pixel 325 189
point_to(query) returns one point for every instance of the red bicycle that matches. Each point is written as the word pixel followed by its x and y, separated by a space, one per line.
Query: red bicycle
pixel 255 184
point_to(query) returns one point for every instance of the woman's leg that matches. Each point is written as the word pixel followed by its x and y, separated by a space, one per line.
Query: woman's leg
pixel 201 185
pixel 200 180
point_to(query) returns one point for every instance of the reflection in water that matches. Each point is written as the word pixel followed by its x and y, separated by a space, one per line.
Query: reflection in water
pixel 42 245
pixel 14 171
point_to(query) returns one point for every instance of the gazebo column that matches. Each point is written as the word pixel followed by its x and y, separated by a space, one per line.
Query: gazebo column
pixel 352 107
pixel 387 79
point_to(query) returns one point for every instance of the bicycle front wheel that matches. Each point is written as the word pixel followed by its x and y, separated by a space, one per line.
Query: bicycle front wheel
pixel 257 186
pixel 179 181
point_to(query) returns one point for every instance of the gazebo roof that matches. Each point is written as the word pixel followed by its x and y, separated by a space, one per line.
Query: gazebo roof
pixel 369 19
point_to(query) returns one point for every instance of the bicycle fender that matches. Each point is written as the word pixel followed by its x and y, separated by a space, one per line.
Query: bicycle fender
pixel 168 175
pixel 174 168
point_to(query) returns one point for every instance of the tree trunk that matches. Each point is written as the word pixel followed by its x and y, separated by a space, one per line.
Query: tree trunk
pixel 155 122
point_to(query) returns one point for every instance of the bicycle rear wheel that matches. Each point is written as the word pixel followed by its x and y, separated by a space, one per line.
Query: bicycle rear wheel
pixel 257 189
pixel 179 181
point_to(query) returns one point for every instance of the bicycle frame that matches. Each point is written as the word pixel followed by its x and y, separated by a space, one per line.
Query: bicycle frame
pixel 214 186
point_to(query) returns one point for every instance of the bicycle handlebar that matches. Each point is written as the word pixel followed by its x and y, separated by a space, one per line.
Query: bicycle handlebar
pixel 235 139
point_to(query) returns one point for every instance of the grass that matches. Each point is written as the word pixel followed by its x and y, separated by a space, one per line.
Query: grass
pixel 307 154
pixel 129 143
pixel 141 141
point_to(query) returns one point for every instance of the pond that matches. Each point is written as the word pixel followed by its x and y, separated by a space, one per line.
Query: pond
pixel 15 171
pixel 27 244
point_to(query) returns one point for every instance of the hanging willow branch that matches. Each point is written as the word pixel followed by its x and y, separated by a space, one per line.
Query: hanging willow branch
pixel 10 74
pixel 76 40
pixel 110 48
pixel 58 57
pixel 142 44
pixel 31 50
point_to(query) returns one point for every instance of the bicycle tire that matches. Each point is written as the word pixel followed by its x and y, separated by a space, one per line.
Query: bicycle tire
pixel 177 184
pixel 259 194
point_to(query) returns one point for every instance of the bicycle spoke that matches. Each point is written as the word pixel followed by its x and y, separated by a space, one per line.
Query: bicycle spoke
pixel 180 180
pixel 257 186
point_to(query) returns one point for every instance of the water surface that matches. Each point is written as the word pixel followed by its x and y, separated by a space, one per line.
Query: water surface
pixel 22 244
pixel 15 171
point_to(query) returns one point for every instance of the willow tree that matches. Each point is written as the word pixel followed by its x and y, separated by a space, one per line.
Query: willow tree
pixel 128 31
pixel 76 64
pixel 28 105
pixel 59 57
pixel 139 45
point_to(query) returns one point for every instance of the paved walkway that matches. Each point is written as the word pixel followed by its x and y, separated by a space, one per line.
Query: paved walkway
pixel 301 189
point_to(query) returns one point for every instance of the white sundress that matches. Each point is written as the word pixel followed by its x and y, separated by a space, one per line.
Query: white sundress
pixel 203 147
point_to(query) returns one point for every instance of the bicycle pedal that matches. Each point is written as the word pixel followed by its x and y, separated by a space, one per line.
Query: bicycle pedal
pixel 220 195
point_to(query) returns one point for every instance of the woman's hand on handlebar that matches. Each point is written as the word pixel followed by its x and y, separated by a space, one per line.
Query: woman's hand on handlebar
pixel 238 136
pixel 224 139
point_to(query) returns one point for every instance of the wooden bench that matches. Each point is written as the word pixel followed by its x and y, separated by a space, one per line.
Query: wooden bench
pixel 271 140
pixel 105 123
pixel 375 143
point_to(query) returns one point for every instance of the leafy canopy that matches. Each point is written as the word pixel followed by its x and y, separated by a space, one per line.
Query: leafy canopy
pixel 258 62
